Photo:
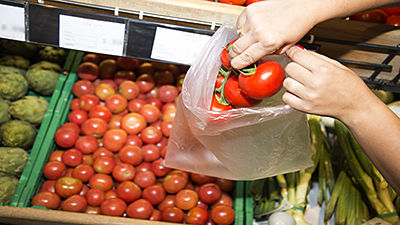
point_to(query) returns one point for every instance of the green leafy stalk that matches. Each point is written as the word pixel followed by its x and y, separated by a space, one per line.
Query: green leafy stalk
pixel 283 185
pixel 342 207
pixel 301 194
pixel 362 178
pixel 337 190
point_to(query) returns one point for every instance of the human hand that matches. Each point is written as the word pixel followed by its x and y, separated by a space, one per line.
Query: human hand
pixel 271 27
pixel 319 85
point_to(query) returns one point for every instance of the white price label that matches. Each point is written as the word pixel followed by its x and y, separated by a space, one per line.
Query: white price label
pixel 177 46
pixel 12 22
pixel 92 35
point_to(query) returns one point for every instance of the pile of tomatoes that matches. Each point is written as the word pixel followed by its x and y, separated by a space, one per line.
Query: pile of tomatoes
pixel 111 149
pixel 389 16
pixel 246 87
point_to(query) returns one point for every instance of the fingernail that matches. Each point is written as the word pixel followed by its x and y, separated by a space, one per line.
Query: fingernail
pixel 301 47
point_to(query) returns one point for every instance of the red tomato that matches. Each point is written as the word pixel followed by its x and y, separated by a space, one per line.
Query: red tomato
pixel 133 139
pixel 217 107
pixel 86 144
pixel 110 194
pixel 78 116
pixel 145 67
pixel 143 166
pixel 115 122
pixel 95 127
pixel 372 16
pixel 155 194
pixel 123 172
pixel 92 57
pixel 114 139
pixel 136 104
pixel 100 111
pixel 49 200
pixel 102 152
pixel 159 169
pixel 219 81
pixel 133 123
pixel 393 20
pixel 140 209
pixel 107 81
pixel 172 214
pixel 197 216
pixel 223 215
pixel 129 89
pixel 127 63
pixel 150 152
pixel 150 112
pixel 84 190
pixel 56 155
pixel 145 82
pixel 116 103
pixel 167 93
pixel 201 179
pixel 68 186
pixel 68 172
pixel 151 135
pixel 166 127
pixel 103 91
pixel 169 201
pixel 104 164
pixel 128 191
pixel 82 87
pixel 48 186
pixel 233 2
pixel 225 55
pixel 186 199
pixel 145 179
pixel 101 181
pixel 131 154
pixel 72 157
pixel 155 216
pixel 225 185
pixel 163 151
pixel 225 199
pixel 235 96
pixel 95 197
pixel 88 71
pixel 54 170
pixel 173 183
pixel 209 193
pixel 162 143
pixel 92 210
pixel 164 77
pixel 113 207
pixel 154 101
pixel 65 137
pixel 83 172
pixel 391 11
pixel 108 68
pixel 88 101
pixel 265 82
pixel 74 105
pixel 87 159
pixel 74 203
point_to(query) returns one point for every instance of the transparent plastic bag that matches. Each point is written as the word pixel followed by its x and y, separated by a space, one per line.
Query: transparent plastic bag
pixel 239 144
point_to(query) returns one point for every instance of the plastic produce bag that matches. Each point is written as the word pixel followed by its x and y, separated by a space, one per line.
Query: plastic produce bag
pixel 239 144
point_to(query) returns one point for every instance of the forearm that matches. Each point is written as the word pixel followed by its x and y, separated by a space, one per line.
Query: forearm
pixel 377 129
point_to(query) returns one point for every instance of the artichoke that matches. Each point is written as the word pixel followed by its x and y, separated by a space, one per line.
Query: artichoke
pixel 30 108
pixel 46 65
pixel 11 69
pixel 53 54
pixel 8 184
pixel 24 49
pixel 15 60
pixel 17 133
pixel 42 81
pixel 12 160
pixel 13 86
pixel 4 115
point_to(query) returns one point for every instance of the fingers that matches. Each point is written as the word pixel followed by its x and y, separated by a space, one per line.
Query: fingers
pixel 299 73
pixel 294 87
pixel 306 59
pixel 250 55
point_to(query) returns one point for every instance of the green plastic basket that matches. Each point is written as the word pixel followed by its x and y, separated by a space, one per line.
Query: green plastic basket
pixel 41 133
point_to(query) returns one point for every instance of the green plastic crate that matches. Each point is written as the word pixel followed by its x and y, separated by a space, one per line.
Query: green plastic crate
pixel 248 205
pixel 41 132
